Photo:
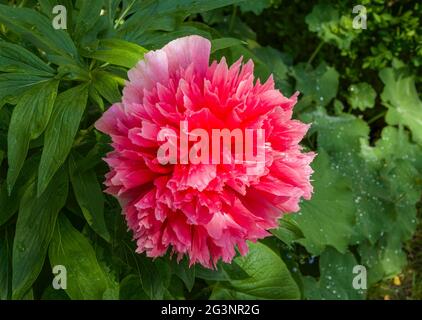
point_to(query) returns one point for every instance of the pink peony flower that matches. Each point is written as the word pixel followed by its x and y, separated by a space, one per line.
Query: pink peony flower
pixel 203 210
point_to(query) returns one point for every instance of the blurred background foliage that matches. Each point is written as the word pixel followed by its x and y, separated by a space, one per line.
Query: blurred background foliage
pixel 359 88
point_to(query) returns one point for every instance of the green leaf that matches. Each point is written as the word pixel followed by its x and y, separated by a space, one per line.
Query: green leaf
pixel 34 229
pixel 273 62
pixel 69 69
pixel 6 244
pixel 61 130
pixel 192 6
pixel 337 134
pixel 185 272
pixel 131 288
pixel 157 40
pixel 394 144
pixel 341 137
pixel 37 29
pixel 268 277
pixel 89 13
pixel 328 218
pixel 89 195
pixel 53 294
pixel 119 52
pixel 268 61
pixel 385 189
pixel 29 295
pixel 384 260
pixel 95 97
pixel 154 10
pixel 321 14
pixel 319 85
pixel 14 85
pixel 46 7
pixel 163 15
pixel 176 290
pixel 107 86
pixel 336 280
pixel 9 204
pixel 155 276
pixel 361 96
pixel 86 279
pixel 401 98
pixel 255 6
pixel 16 59
pixel 211 275
pixel 288 230
pixel 29 120
pixel 400 165
pixel 223 43
pixel 330 26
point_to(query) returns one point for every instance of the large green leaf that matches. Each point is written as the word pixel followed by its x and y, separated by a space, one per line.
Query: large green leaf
pixel 393 145
pixel 89 195
pixel 385 184
pixel 61 130
pixel 29 120
pixel 400 165
pixel 37 29
pixel 119 52
pixel 16 59
pixel 14 85
pixel 319 86
pixel 336 279
pixel 34 229
pixel 341 137
pixel 267 277
pixel 401 98
pixel 328 218
pixel 85 277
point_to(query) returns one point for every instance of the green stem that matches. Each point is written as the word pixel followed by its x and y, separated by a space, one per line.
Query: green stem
pixel 314 54
pixel 124 13
pixel 375 118
pixel 22 4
